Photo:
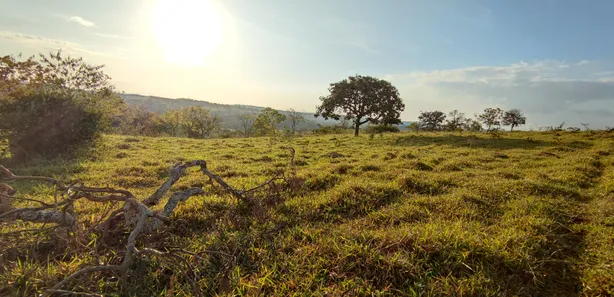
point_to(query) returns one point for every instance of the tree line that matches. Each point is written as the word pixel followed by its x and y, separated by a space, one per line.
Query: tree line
pixel 200 122
pixel 53 105
pixel 491 118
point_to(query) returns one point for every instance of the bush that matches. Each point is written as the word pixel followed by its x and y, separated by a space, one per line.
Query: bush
pixel 53 106
pixel 378 129
pixel 49 124
pixel 323 130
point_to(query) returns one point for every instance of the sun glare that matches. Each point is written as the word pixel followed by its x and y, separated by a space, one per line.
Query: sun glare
pixel 188 31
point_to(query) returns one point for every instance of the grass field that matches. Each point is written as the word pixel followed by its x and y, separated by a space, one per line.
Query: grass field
pixel 403 214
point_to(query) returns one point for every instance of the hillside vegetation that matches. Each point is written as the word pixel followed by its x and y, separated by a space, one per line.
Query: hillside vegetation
pixel 403 214
pixel 229 114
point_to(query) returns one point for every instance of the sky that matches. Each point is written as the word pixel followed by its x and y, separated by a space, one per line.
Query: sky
pixel 553 59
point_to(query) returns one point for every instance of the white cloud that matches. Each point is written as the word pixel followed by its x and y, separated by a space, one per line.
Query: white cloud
pixel 81 21
pixel 111 36
pixel 548 91
pixel 40 42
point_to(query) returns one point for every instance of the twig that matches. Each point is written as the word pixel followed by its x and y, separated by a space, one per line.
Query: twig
pixel 66 292
pixel 85 271
pixel 278 176
pixel 25 199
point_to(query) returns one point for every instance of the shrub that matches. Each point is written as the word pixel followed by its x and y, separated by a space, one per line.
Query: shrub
pixel 378 129
pixel 49 123
pixel 323 130
pixel 53 106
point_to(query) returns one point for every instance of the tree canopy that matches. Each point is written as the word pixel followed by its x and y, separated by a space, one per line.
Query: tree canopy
pixel 514 118
pixel 267 121
pixel 491 117
pixel 431 120
pixel 362 99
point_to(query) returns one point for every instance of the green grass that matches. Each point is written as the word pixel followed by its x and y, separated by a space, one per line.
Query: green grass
pixel 405 214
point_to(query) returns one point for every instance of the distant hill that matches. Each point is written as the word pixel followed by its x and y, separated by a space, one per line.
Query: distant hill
pixel 228 113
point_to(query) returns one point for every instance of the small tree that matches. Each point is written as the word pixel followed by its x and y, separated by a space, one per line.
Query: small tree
pixel 431 120
pixel 294 118
pixel 247 124
pixel 172 121
pixel 267 121
pixel 199 122
pixel 472 125
pixel 138 120
pixel 491 117
pixel 513 118
pixel 455 120
pixel 363 99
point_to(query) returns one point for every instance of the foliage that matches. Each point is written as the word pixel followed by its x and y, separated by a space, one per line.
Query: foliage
pixel 172 121
pixel 513 118
pixel 378 129
pixel 363 99
pixel 431 120
pixel 491 117
pixel 53 105
pixel 198 121
pixel 455 120
pixel 137 120
pixel 247 124
pixel 294 118
pixel 472 125
pixel 267 121
pixel 413 126
pixel 334 129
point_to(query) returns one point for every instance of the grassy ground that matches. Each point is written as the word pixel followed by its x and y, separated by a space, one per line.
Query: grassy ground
pixel 526 214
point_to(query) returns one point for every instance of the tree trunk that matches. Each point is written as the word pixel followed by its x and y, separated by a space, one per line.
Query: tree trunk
pixel 512 128
pixel 356 128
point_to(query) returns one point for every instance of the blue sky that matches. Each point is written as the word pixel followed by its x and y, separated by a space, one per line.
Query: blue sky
pixel 552 59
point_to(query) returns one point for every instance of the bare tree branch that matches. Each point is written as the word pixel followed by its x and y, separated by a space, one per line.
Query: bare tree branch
pixel 137 215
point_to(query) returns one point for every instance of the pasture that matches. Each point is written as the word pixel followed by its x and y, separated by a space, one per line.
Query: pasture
pixel 399 214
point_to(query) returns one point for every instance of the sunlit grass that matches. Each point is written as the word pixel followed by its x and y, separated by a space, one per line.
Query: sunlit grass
pixel 402 214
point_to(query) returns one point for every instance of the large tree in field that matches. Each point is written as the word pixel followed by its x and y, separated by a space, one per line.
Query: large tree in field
pixel 491 117
pixel 199 122
pixel 362 99
pixel 455 120
pixel 267 121
pixel 514 118
pixel 431 120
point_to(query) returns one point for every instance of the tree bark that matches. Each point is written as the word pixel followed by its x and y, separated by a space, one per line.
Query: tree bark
pixel 356 128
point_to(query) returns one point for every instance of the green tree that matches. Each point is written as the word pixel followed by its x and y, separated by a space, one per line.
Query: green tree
pixel 514 118
pixel 455 120
pixel 267 121
pixel 247 124
pixel 431 120
pixel 294 118
pixel 198 122
pixel 172 121
pixel 138 120
pixel 363 99
pixel 472 125
pixel 491 117
pixel 53 105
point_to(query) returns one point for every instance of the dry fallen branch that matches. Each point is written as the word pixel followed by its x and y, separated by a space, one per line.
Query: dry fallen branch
pixel 137 215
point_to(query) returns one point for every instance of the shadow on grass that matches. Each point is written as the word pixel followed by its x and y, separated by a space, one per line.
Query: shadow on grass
pixel 469 141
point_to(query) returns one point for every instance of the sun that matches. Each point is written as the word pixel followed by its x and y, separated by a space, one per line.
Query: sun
pixel 188 31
